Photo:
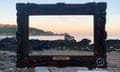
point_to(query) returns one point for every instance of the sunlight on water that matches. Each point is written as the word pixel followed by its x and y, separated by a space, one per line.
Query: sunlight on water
pixel 46 37
pixel 57 37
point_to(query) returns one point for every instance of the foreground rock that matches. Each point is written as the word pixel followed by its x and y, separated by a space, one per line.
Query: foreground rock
pixel 8 63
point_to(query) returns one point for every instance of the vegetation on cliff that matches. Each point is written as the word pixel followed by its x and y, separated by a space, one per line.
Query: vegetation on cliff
pixel 6 29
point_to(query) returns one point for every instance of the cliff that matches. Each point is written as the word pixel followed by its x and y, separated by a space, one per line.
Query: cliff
pixel 7 29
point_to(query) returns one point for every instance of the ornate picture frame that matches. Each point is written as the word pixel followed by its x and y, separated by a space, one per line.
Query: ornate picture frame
pixel 98 10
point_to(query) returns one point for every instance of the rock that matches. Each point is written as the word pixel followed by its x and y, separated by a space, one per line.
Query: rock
pixel 9 44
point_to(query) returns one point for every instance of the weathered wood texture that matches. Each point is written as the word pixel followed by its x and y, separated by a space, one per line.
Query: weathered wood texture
pixel 98 10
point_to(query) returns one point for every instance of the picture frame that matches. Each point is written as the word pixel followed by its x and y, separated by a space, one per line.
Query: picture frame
pixel 98 10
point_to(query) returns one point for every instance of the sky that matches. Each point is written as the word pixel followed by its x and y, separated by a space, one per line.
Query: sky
pixel 8 16
pixel 73 24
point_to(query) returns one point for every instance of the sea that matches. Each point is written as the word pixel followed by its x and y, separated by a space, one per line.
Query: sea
pixel 50 37
pixel 60 37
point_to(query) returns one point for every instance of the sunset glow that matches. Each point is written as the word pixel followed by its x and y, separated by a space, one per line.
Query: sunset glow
pixel 60 24
pixel 73 25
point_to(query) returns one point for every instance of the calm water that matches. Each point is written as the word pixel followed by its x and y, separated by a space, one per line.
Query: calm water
pixel 50 37
pixel 56 37
pixel 76 37
pixel 5 36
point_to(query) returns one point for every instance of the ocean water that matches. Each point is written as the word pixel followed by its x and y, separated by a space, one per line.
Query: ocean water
pixel 6 36
pixel 50 37
pixel 60 37
pixel 55 37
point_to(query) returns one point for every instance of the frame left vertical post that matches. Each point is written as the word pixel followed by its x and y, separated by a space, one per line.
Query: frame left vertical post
pixel 22 36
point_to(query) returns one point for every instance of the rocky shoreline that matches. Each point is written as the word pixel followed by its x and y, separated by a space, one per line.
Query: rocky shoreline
pixel 8 48
pixel 10 44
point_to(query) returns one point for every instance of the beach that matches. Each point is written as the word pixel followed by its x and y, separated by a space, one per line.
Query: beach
pixel 8 59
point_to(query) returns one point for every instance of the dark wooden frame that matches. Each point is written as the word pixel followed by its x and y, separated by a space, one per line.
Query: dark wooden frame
pixel 98 10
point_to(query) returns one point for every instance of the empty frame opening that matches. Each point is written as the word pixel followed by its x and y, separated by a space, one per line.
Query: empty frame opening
pixel 61 35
